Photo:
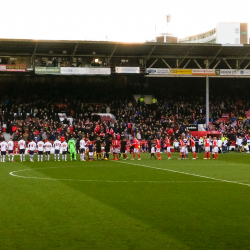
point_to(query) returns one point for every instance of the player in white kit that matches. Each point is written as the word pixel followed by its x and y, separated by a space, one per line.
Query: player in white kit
pixel 64 146
pixel 82 149
pixel 40 147
pixel 4 147
pixel 22 145
pixel 57 146
pixel 48 147
pixel 11 148
pixel 32 147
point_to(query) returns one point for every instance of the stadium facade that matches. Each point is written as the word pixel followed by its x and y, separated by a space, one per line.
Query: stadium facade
pixel 224 33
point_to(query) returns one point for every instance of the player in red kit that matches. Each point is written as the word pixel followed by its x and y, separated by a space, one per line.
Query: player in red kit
pixel 193 148
pixel 116 145
pixel 215 148
pixel 168 147
pixel 136 145
pixel 158 149
pixel 182 149
pixel 207 149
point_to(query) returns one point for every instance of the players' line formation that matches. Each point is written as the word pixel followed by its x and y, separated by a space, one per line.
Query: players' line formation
pixel 102 150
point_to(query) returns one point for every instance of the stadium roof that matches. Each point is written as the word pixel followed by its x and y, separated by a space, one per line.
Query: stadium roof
pixel 14 47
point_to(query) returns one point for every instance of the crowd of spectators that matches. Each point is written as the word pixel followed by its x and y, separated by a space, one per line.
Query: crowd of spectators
pixel 37 117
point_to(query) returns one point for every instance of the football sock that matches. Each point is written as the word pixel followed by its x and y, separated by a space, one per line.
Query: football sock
pixel 41 157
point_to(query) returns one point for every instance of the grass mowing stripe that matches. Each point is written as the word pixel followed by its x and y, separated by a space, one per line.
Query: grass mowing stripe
pixel 201 176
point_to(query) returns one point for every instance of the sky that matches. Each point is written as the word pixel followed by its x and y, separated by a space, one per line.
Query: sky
pixel 115 20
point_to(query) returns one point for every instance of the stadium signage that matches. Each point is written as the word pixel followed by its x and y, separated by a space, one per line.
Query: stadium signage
pixel 244 72
pixel 85 71
pixel 226 72
pixel 192 127
pixel 158 71
pixel 13 68
pixel 203 72
pixel 127 70
pixel 181 71
pixel 232 72
pixel 47 70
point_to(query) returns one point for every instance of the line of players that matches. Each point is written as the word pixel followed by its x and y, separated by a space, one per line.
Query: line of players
pixel 40 146
pixel 208 143
pixel 119 148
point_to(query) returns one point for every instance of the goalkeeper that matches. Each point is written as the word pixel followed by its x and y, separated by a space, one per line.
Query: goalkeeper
pixel 72 148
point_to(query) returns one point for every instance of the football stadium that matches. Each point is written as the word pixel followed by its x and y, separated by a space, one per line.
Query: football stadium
pixel 125 145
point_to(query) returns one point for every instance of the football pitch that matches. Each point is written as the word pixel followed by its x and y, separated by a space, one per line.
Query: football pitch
pixel 147 204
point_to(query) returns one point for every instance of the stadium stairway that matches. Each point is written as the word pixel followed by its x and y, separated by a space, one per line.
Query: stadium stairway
pixel 6 136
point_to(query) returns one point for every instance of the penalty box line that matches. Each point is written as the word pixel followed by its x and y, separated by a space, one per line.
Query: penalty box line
pixel 180 172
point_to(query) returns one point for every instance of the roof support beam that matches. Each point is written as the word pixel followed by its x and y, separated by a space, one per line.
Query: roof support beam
pixel 34 52
pixel 166 63
pixel 33 56
pixel 247 65
pixel 244 58
pixel 216 64
pixel 184 57
pixel 109 58
pixel 187 63
pixel 225 60
pixel 153 63
pixel 197 64
pixel 215 56
pixel 150 53
pixel 75 50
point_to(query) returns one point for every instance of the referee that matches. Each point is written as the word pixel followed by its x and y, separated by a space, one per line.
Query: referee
pixel 123 149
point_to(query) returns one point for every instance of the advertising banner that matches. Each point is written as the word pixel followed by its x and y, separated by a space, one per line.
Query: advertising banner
pixel 13 68
pixel 85 71
pixel 203 72
pixel 98 71
pixel 244 72
pixel 181 71
pixel 158 71
pixel 47 70
pixel 127 70
pixel 192 127
pixel 226 72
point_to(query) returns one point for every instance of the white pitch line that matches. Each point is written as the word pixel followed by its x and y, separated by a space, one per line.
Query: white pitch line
pixel 179 172
pixel 112 181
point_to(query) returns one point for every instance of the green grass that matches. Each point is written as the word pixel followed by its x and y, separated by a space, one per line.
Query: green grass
pixel 120 205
